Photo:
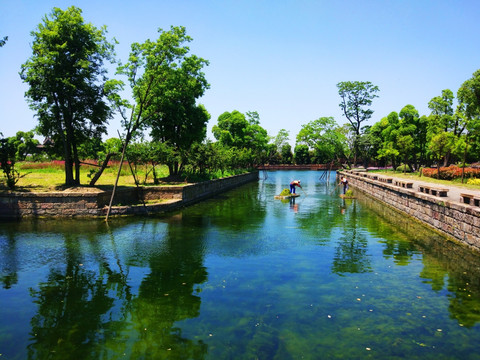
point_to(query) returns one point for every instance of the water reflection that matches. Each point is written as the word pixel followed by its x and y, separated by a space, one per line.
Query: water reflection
pixel 92 303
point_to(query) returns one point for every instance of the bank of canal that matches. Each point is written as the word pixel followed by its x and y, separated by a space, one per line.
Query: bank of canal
pixel 441 207
pixel 240 276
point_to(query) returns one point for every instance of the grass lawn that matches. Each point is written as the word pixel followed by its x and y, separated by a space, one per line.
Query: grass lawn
pixel 44 177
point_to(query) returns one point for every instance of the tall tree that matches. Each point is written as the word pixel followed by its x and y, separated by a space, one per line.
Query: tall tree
pixel 281 139
pixel 356 98
pixel 443 118
pixel 172 113
pixel 442 110
pixel 231 129
pixel 165 83
pixel 235 130
pixel 66 75
pixel 411 136
pixel 286 154
pixel 321 135
pixel 469 97
pixel 302 155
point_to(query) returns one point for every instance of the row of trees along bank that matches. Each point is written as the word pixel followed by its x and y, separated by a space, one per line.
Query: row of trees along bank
pixel 74 99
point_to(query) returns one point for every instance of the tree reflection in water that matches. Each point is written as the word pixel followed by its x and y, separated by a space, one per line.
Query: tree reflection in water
pixel 85 312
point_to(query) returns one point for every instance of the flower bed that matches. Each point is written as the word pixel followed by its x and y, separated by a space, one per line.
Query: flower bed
pixel 451 172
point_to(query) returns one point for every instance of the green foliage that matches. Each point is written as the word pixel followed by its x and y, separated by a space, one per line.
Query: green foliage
pixel 65 75
pixel 24 144
pixel 247 136
pixel 287 155
pixel 281 139
pixel 7 161
pixel 442 112
pixel 441 144
pixel 445 135
pixel 349 193
pixel 324 137
pixel 166 82
pixel 302 155
pixel 3 41
pixel 356 98
pixel 285 192
pixel 404 168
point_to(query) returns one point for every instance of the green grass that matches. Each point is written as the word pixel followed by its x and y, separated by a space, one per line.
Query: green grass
pixel 50 176
pixel 44 177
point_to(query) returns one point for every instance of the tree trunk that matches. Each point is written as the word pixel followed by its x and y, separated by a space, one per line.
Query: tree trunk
pixel 69 181
pixel 102 168
pixel 77 163
pixel 464 159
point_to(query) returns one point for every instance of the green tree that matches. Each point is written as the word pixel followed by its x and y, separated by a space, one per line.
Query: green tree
pixel 366 145
pixel 322 136
pixel 411 137
pixel 443 118
pixel 231 129
pixel 8 152
pixel 66 77
pixel 469 97
pixel 3 41
pixel 235 130
pixel 302 155
pixel 441 145
pixel 356 98
pixel 287 155
pixel 442 111
pixel 25 144
pixel 389 133
pixel 279 143
pixel 166 82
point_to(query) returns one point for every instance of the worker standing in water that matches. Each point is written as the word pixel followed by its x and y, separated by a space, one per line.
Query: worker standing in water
pixel 293 184
pixel 344 182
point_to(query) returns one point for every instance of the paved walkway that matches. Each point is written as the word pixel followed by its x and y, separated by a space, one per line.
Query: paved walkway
pixel 454 191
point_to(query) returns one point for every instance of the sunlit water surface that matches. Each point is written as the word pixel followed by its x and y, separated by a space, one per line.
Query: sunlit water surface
pixel 240 276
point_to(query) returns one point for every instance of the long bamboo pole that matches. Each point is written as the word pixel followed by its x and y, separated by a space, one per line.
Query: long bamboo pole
pixel 127 138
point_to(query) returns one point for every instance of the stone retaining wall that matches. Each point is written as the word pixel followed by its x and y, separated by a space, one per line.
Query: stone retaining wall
pixel 454 219
pixel 128 201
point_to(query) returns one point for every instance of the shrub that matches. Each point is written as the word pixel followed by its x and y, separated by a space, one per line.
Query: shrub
pixel 7 162
pixel 404 167
pixel 473 181
pixel 451 172
pixel 349 192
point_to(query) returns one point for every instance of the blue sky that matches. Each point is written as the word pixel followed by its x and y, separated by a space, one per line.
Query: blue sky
pixel 282 59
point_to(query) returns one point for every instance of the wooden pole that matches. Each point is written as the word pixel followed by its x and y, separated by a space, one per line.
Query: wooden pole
pixel 127 138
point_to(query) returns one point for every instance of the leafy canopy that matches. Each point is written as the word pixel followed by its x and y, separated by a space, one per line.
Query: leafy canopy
pixel 66 77
pixel 356 97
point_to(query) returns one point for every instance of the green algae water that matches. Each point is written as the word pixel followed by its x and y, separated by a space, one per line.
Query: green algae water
pixel 240 276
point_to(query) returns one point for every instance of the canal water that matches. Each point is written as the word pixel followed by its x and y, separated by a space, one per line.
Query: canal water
pixel 240 276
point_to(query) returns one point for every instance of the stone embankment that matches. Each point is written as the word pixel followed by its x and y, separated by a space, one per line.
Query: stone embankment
pixel 443 208
pixel 128 201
